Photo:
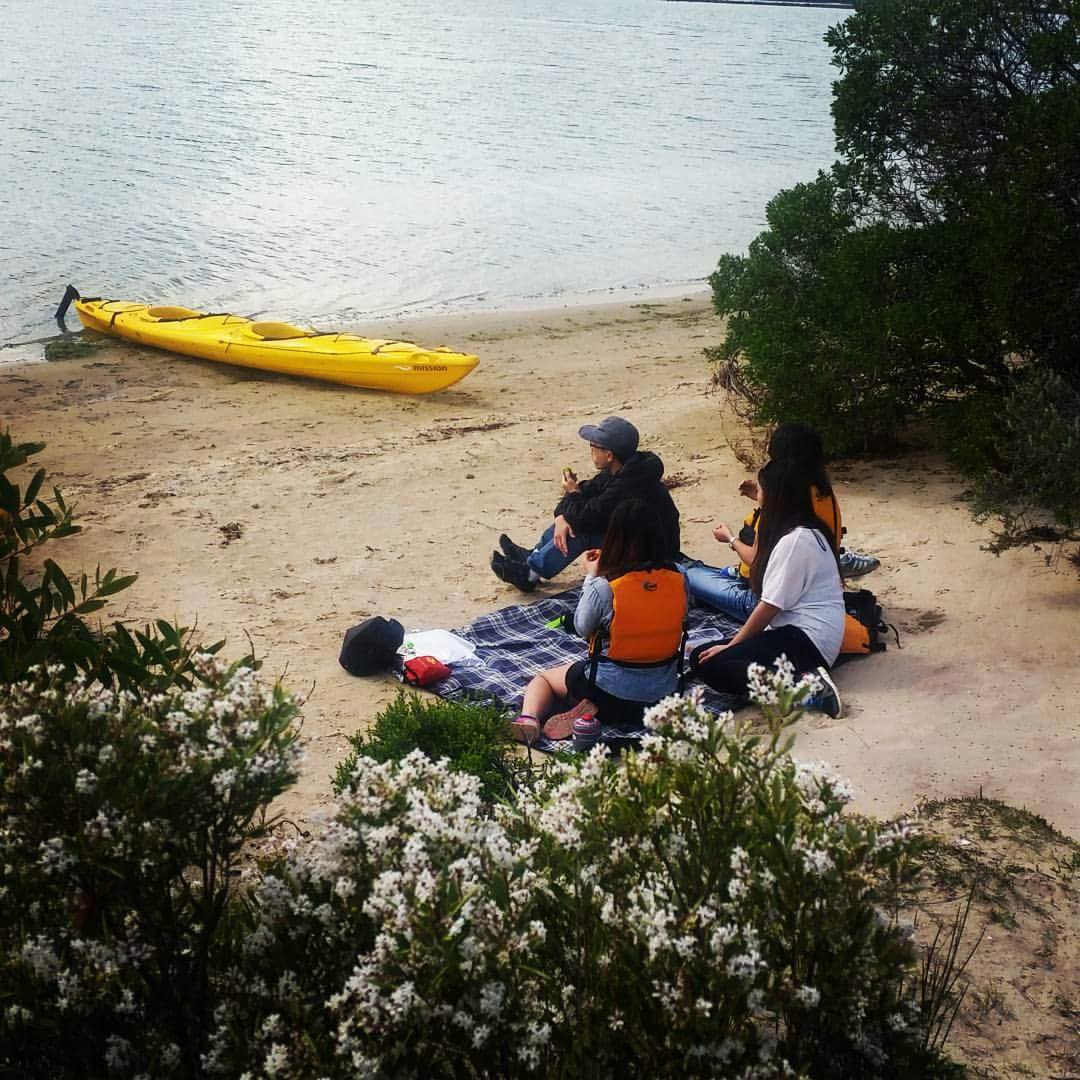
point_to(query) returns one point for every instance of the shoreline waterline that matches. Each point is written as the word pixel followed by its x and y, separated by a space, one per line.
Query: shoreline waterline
pixel 33 351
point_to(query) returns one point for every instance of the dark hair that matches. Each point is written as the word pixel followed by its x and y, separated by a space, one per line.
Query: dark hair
pixel 633 538
pixel 801 446
pixel 787 505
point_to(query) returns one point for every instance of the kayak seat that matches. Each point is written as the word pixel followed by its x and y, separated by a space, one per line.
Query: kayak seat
pixel 167 313
pixel 277 331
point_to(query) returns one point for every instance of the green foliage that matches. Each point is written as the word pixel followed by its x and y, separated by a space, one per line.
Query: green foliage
pixel 473 738
pixel 70 347
pixel 42 612
pixel 851 328
pixel 938 258
pixel 701 908
pixel 1036 486
pixel 121 827
pixel 970 428
pixel 967 110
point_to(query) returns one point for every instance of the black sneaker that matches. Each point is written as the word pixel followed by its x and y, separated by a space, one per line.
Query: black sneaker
pixel 498 565
pixel 511 550
pixel 517 573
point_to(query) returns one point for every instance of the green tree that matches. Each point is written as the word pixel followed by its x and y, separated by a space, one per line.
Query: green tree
pixel 852 328
pixel 935 269
pixel 954 110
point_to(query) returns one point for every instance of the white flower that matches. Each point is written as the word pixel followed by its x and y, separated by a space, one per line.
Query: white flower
pixel 492 996
pixel 223 781
pixel 277 1059
pixel 897 1022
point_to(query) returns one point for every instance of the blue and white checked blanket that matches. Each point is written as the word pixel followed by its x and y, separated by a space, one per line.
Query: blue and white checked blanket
pixel 514 644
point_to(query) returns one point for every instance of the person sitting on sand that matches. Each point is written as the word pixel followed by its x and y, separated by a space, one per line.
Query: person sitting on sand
pixel 633 609
pixel 800 613
pixel 583 513
pixel 728 588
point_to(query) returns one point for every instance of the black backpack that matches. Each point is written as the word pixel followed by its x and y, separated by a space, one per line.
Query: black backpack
pixel 372 646
pixel 861 606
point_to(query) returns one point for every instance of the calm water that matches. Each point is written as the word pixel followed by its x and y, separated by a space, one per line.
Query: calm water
pixel 351 158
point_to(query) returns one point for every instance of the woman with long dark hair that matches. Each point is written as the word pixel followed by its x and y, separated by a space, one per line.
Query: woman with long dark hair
pixel 728 588
pixel 632 608
pixel 800 610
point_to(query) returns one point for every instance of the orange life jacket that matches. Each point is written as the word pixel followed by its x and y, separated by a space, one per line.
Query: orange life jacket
pixel 825 506
pixel 649 615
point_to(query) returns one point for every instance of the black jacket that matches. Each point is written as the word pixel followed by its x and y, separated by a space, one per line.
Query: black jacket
pixel 639 478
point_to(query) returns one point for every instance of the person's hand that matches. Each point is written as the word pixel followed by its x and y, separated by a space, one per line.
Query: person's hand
pixel 563 533
pixel 592 562
pixel 570 483
pixel 722 534
pixel 713 650
pixel 749 488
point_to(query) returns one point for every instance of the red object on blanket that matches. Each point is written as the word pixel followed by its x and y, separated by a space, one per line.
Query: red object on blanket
pixel 424 670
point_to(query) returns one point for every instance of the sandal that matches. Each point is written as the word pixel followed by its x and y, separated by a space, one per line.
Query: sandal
pixel 525 729
pixel 561 724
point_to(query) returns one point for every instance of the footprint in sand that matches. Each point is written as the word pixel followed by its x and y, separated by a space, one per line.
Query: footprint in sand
pixel 929 620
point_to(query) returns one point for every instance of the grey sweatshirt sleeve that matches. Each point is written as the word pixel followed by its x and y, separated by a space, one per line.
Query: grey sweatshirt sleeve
pixel 596 606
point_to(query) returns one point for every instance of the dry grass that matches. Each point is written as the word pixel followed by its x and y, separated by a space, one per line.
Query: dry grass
pixel 1021 1012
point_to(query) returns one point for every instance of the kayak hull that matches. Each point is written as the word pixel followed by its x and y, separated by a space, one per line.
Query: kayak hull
pixel 399 367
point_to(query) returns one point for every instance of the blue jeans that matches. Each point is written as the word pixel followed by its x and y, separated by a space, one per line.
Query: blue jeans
pixel 710 586
pixel 547 560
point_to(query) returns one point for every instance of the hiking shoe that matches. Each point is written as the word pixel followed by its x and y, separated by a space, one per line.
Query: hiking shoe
pixel 513 551
pixel 827 699
pixel 852 564
pixel 513 572
pixel 585 733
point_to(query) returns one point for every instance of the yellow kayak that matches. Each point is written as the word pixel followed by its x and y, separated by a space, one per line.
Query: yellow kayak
pixel 398 366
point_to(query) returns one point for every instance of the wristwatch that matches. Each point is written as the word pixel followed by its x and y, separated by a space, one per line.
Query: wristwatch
pixel 731 544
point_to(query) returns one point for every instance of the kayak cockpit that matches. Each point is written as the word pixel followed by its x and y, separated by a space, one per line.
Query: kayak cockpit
pixel 278 331
pixel 167 314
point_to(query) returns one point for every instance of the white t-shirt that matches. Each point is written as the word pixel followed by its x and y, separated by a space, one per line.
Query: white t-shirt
pixel 803 581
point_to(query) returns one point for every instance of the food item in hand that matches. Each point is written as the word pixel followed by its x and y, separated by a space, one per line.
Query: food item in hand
pixel 568 473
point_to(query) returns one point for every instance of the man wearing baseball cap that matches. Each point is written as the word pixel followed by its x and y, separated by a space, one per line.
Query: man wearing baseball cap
pixel 582 514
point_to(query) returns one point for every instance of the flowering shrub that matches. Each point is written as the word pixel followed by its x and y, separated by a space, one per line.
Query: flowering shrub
pixel 121 823
pixel 699 908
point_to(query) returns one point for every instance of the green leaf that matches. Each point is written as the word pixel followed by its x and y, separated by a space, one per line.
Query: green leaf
pixel 34 487
pixel 111 584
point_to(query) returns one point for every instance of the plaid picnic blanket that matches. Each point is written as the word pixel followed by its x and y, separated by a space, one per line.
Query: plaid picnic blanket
pixel 514 644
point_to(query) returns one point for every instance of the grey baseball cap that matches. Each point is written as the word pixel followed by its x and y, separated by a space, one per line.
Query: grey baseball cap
pixel 614 434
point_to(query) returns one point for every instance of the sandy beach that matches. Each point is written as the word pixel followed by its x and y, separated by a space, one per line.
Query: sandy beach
pixel 288 511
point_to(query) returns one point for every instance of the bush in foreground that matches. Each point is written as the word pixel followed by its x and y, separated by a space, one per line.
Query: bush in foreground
pixel 121 827
pixel 472 737
pixel 700 908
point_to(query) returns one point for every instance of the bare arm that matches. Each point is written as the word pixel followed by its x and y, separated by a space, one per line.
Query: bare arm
pixel 746 552
pixel 760 618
